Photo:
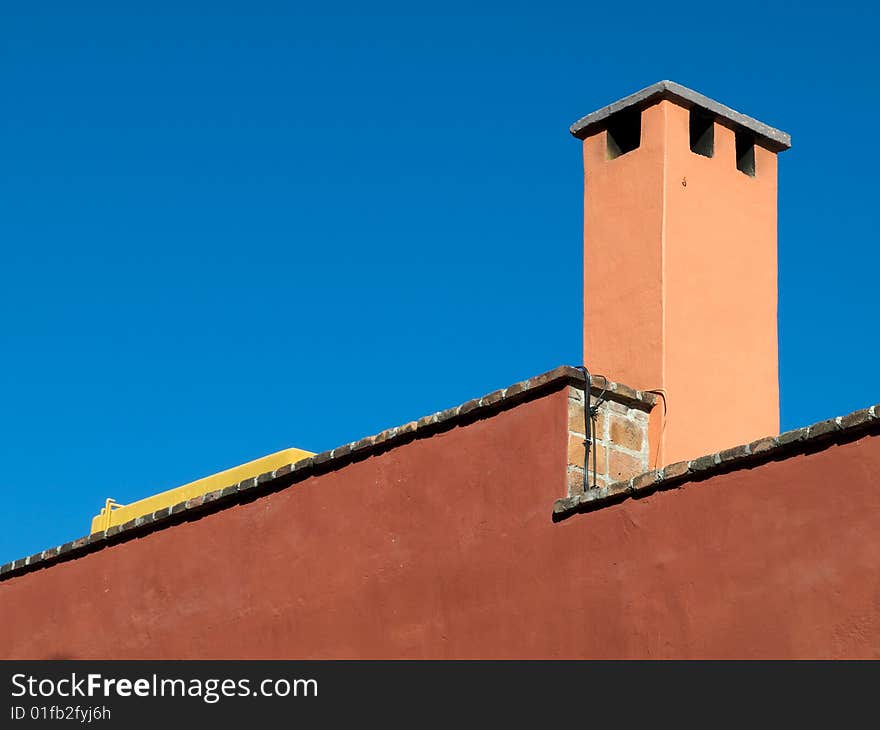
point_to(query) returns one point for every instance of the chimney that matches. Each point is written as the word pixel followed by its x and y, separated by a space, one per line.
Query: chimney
pixel 680 283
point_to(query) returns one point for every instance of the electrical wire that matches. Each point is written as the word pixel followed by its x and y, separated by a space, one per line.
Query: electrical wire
pixel 662 393
pixel 591 412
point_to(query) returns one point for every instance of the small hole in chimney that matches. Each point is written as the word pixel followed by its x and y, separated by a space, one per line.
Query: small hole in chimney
pixel 745 154
pixel 624 133
pixel 702 133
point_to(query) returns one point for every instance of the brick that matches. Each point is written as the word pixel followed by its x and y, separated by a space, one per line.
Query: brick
pixel 446 414
pixel 616 407
pixel 265 477
pixel 624 391
pixel 492 398
pixel 559 373
pixel 561 506
pixel 321 458
pixel 639 416
pixel 790 437
pixel 646 480
pixel 599 429
pixel 624 486
pixel 468 406
pixel 283 470
pixel 623 466
pixel 576 417
pixel 678 469
pixel 576 394
pixel 389 434
pixel 211 496
pixel 709 461
pixel 575 482
pixel 423 422
pixel 516 389
pixel 856 419
pixel 576 420
pixel 762 445
pixel 359 445
pixel 625 433
pixel 823 428
pixel 341 451
pixel 196 501
pixel 593 495
pixel 704 463
pixel 576 450
pixel 732 454
pixel 601 459
pixel 404 429
pixel 600 482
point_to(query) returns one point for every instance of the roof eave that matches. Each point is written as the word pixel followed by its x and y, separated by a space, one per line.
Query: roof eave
pixel 773 139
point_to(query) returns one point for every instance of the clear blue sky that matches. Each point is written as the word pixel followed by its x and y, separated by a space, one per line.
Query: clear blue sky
pixel 233 227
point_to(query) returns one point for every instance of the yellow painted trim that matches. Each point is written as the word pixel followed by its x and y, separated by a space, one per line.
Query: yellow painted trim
pixel 113 513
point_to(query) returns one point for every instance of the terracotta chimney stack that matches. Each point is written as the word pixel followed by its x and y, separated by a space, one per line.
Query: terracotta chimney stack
pixel 680 278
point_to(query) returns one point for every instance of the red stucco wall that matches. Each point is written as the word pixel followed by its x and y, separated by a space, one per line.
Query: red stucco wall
pixel 444 547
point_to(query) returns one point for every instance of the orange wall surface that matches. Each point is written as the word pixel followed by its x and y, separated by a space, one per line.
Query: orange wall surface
pixel 445 547
pixel 680 281
pixel 721 378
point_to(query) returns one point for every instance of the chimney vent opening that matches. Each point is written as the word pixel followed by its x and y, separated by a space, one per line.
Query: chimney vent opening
pixel 623 133
pixel 702 128
pixel 745 153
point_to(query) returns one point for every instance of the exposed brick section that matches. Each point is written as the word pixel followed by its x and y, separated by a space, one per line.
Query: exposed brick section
pixel 264 483
pixel 819 435
pixel 619 432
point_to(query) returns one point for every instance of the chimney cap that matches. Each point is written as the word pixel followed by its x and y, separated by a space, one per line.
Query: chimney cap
pixel 774 140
